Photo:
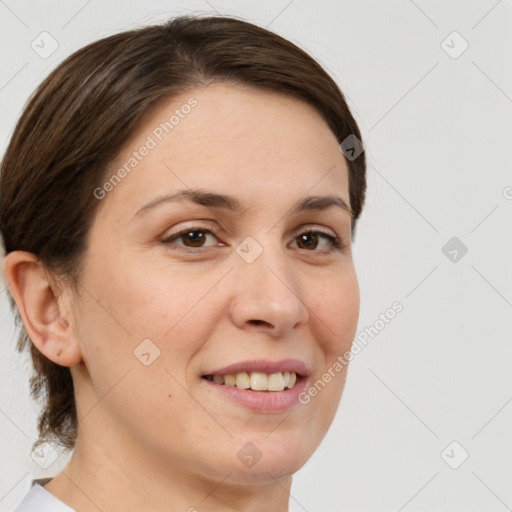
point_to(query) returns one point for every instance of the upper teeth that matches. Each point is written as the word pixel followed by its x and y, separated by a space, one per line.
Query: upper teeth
pixel 257 381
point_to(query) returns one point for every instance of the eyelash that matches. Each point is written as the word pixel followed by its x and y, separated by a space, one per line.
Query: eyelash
pixel 335 242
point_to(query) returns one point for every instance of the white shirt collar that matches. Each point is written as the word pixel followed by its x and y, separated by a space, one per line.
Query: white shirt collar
pixel 38 499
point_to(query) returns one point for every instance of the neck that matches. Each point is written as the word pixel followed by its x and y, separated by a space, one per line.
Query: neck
pixel 109 471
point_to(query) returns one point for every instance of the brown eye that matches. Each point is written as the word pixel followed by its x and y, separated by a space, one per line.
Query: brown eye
pixel 193 238
pixel 196 238
pixel 310 240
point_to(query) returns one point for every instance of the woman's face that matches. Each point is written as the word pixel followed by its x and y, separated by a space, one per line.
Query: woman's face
pixel 161 311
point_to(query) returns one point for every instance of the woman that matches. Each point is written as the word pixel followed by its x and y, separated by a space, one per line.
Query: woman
pixel 177 205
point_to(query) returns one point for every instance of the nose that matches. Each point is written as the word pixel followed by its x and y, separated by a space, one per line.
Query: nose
pixel 268 297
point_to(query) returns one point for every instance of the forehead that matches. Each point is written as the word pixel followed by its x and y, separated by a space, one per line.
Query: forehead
pixel 244 141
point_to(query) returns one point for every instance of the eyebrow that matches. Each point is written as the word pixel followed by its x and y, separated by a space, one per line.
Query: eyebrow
pixel 215 200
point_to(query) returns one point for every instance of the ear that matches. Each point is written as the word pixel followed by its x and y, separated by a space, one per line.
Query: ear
pixel 44 307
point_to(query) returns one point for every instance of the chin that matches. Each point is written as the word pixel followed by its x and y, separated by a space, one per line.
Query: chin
pixel 265 459
pixel 264 472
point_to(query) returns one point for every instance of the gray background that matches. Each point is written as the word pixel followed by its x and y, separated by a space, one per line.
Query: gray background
pixel 437 126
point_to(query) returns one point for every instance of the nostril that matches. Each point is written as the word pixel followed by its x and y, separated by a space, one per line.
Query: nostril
pixel 259 322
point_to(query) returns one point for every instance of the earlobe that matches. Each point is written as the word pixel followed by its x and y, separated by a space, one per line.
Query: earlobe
pixel 43 308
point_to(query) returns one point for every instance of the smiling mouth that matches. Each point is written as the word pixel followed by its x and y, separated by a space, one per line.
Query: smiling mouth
pixel 257 381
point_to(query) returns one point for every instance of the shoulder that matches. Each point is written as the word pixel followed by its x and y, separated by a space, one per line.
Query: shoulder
pixel 38 499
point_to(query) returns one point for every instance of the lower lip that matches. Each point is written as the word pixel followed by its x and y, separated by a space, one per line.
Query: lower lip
pixel 262 401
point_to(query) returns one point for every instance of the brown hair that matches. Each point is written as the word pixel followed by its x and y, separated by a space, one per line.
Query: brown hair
pixel 78 119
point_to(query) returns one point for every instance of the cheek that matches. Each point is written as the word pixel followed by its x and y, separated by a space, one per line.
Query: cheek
pixel 145 314
pixel 139 301
pixel 338 311
pixel 335 318
pixel 121 330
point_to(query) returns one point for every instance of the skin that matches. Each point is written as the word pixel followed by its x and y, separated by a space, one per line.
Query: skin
pixel 157 437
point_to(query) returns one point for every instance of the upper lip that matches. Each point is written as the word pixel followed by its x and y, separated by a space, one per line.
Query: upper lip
pixel 264 366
